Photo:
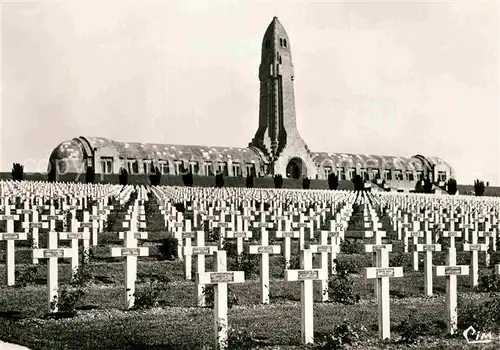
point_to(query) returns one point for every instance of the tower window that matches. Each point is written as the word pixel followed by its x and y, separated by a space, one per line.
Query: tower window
pixel 284 42
pixel 267 44
pixel 281 42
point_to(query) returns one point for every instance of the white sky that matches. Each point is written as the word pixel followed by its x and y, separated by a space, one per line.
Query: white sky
pixel 371 77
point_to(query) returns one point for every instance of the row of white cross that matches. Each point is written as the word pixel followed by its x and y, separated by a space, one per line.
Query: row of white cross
pixel 381 270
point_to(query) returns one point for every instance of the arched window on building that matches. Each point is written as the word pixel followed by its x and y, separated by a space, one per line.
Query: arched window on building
pixel 327 170
pixel 281 42
pixel 352 172
pixel 409 175
pixel 441 176
pixel 387 175
pixel 364 174
pixel 106 165
pixel 194 167
pixel 208 169
pixel 146 165
pixel 164 167
pixel 341 174
pixel 284 42
pixel 236 169
pixel 251 169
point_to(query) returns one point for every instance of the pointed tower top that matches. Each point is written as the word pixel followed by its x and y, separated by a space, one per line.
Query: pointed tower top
pixel 274 32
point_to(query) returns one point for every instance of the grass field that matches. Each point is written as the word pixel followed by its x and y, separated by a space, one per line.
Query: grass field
pixel 100 321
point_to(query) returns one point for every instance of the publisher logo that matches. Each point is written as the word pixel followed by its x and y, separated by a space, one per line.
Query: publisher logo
pixel 474 337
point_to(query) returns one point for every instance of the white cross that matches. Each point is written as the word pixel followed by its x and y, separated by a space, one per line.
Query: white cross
pixel 239 234
pixel 52 253
pixel 451 270
pixel 220 278
pixel 131 251
pixel 264 249
pixel 306 276
pixel 199 251
pixel 10 236
pixel 474 248
pixel 428 248
pixel 416 234
pixel 323 248
pixel 286 236
pixel 382 273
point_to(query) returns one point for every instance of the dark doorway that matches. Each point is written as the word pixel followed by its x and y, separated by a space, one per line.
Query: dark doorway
pixel 294 168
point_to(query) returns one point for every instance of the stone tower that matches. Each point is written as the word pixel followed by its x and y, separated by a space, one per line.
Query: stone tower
pixel 277 136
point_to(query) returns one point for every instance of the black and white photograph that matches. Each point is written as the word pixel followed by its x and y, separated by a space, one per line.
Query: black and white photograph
pixel 249 174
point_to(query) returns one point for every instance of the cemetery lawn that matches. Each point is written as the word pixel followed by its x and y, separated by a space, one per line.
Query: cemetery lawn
pixel 101 323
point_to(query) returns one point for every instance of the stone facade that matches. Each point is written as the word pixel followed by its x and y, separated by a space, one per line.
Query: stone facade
pixel 277 147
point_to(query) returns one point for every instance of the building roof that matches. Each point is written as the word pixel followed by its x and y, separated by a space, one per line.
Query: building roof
pixel 76 148
pixel 432 161
pixel 138 150
pixel 367 161
pixel 71 149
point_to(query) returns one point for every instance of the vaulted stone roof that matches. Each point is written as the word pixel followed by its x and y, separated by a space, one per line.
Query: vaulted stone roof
pixel 366 161
pixel 71 149
pixel 75 150
pixel 136 150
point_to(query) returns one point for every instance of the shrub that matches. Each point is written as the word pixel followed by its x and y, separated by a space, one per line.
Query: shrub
pixel 480 314
pixel 82 276
pixel 148 296
pixel 123 177
pixel 250 181
pixel 219 180
pixel 249 263
pixel 427 185
pixel 400 259
pixel 90 175
pixel 478 188
pixel 333 182
pixel 155 176
pixel 27 275
pixel 17 172
pixel 70 296
pixel 180 207
pixel 489 283
pixel 451 186
pixel 187 179
pixel 241 339
pixel 168 249
pixel 67 301
pixel 354 247
pixel 208 292
pixel 359 184
pixel 306 183
pixel 416 327
pixel 278 181
pixel 51 175
pixel 344 334
pixel 341 286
